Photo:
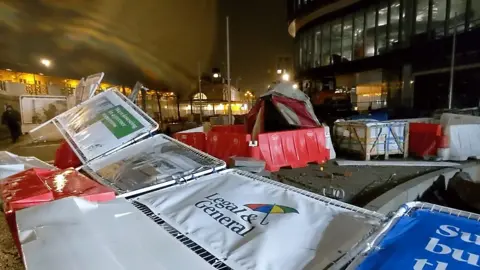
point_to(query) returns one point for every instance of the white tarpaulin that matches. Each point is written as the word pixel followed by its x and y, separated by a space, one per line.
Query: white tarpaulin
pixel 463 132
pixel 75 234
pixel 255 223
pixel 463 141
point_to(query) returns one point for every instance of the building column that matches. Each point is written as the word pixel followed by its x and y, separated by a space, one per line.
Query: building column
pixel 408 86
pixel 144 100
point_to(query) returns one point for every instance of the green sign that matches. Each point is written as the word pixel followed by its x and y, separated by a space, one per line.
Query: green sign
pixel 120 122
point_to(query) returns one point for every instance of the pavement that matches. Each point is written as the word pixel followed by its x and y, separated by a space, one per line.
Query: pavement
pixel 26 146
pixel 361 184
pixel 9 259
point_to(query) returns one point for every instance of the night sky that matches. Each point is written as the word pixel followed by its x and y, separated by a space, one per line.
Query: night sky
pixel 157 41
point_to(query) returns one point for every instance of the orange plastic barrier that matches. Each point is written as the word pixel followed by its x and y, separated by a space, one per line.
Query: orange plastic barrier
pixel 38 186
pixel 224 146
pixel 194 139
pixel 65 157
pixel 423 139
pixel 294 148
pixel 230 129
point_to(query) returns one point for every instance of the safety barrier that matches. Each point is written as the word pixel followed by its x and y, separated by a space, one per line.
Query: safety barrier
pixel 230 129
pixel 424 138
pixel 194 139
pixel 65 157
pixel 224 146
pixel 294 148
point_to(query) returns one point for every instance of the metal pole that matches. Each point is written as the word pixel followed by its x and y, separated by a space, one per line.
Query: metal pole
pixel 452 65
pixel 200 92
pixel 159 104
pixel 228 75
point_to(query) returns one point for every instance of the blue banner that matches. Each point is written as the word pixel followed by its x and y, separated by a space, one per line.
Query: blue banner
pixel 428 240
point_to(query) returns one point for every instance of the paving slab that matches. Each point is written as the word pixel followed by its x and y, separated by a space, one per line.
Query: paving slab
pixel 361 184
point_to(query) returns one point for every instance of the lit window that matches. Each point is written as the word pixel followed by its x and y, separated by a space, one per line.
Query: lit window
pixel 199 96
pixel 457 15
pixel 421 16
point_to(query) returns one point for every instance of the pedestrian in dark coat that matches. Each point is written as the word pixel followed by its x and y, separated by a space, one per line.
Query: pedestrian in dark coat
pixel 11 118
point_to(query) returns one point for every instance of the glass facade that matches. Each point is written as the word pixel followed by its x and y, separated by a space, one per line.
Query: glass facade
pixel 347 37
pixel 381 27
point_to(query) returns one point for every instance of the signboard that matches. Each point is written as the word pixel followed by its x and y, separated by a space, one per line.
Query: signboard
pixel 103 123
pixel 86 88
pixel 428 240
pixel 251 223
pixel 35 110
pixel 134 94
pixel 78 92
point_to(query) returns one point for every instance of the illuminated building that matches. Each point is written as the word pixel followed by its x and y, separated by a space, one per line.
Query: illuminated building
pixel 388 52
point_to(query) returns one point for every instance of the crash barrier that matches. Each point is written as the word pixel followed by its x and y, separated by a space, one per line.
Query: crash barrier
pixel 38 186
pixel 230 129
pixel 194 139
pixel 424 139
pixel 372 138
pixel 65 157
pixel 225 145
pixel 294 148
pixel 423 235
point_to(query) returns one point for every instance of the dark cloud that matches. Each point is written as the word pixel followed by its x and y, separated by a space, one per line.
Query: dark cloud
pixel 157 41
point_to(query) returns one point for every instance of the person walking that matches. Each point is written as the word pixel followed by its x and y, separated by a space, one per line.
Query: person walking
pixel 11 118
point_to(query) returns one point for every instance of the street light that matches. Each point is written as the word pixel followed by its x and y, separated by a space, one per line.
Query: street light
pixel 279 71
pixel 46 62
pixel 286 77
pixel 216 75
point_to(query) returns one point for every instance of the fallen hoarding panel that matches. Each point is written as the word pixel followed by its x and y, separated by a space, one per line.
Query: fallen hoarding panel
pixel 251 222
pixel 150 164
pixel 101 124
pixel 423 235
pixel 73 233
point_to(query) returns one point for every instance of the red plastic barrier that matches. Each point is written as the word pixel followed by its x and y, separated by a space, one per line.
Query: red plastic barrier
pixel 194 139
pixel 65 157
pixel 224 146
pixel 230 129
pixel 423 139
pixel 37 186
pixel 294 148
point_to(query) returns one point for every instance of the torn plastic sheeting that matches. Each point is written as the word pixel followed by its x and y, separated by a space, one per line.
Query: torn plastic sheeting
pixel 76 234
pixel 255 223
pixel 9 164
pixel 151 164
pixel 7 158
